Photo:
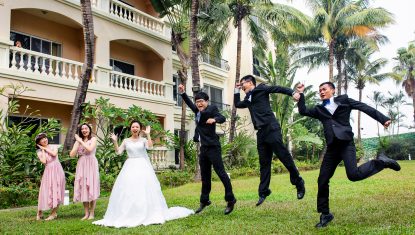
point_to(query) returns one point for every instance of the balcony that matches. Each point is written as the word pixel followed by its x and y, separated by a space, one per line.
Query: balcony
pixel 132 15
pixel 26 65
pixel 215 61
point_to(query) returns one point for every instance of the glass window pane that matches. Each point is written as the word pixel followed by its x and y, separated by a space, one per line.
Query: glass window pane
pixel 122 67
pixel 46 47
pixel 35 44
pixel 23 39
pixel 56 49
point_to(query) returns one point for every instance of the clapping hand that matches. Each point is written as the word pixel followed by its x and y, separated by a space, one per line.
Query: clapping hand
pixel 113 137
pixel 147 131
pixel 41 147
pixel 77 138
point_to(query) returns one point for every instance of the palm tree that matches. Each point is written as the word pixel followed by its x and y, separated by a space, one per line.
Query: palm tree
pixel 177 12
pixel 258 15
pixel 279 72
pixel 85 78
pixel 396 101
pixel 405 70
pixel 338 21
pixel 378 99
pixel 362 70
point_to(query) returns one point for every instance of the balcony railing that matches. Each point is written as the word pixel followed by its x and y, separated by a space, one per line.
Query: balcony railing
pixel 158 157
pixel 135 16
pixel 221 106
pixel 215 61
pixel 122 81
pixel 41 66
pixel 24 60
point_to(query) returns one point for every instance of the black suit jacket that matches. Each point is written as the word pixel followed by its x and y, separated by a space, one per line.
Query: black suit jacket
pixel 259 106
pixel 207 132
pixel 338 124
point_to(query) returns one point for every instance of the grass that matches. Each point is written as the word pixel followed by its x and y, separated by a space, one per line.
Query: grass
pixel 382 204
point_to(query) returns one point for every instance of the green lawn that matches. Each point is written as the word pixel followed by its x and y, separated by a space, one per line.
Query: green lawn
pixel 383 204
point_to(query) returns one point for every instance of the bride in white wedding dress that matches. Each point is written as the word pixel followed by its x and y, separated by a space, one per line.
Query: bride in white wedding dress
pixel 136 197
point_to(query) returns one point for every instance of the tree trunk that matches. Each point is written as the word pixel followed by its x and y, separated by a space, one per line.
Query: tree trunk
pixel 237 77
pixel 331 60
pixel 177 41
pixel 339 59
pixel 194 62
pixel 346 80
pixel 81 91
pixel 182 135
pixel 413 89
pixel 359 137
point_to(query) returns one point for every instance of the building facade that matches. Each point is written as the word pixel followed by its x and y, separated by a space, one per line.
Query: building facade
pixel 42 47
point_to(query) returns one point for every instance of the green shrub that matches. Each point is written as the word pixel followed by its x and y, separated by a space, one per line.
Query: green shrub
pixel 398 148
pixel 174 178
pixel 16 196
pixel 19 163
pixel 107 181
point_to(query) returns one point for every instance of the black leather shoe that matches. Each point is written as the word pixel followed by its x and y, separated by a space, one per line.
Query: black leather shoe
pixel 389 163
pixel 324 220
pixel 229 207
pixel 300 189
pixel 202 206
pixel 260 201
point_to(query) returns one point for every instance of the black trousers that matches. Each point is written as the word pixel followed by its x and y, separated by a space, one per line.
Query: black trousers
pixel 269 141
pixel 336 152
pixel 211 156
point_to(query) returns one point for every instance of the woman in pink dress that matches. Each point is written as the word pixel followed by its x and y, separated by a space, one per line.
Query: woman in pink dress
pixel 86 185
pixel 52 186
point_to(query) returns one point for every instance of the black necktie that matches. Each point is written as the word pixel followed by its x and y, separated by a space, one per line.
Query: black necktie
pixel 248 95
pixel 326 102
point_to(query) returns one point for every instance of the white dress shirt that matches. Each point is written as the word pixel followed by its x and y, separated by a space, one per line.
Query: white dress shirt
pixel 332 106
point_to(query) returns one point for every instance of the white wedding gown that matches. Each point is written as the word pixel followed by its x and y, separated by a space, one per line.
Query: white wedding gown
pixel 136 198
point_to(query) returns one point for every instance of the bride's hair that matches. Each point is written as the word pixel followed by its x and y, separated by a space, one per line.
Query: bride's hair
pixel 135 121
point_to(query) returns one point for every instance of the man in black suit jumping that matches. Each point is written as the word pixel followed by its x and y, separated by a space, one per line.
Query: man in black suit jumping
pixel 269 138
pixel 210 151
pixel 334 114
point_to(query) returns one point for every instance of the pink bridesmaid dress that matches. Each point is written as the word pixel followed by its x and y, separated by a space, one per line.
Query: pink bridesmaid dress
pixel 87 176
pixel 52 186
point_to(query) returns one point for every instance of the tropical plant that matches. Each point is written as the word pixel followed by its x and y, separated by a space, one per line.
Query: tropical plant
pixel 361 69
pixel 378 99
pixel 178 13
pixel 260 16
pixel 336 22
pixel 404 70
pixel 86 74
pixel 19 164
pixel 393 103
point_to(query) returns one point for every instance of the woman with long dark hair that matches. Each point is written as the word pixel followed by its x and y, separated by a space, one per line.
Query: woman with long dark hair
pixel 86 185
pixel 52 186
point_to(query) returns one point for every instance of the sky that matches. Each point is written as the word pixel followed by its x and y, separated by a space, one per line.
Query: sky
pixel 399 34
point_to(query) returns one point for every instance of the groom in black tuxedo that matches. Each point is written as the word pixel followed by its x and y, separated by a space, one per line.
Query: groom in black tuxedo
pixel 210 151
pixel 334 114
pixel 269 138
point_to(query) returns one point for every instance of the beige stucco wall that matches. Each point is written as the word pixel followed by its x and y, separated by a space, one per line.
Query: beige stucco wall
pixel 70 38
pixel 147 63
